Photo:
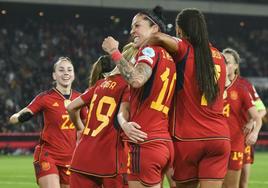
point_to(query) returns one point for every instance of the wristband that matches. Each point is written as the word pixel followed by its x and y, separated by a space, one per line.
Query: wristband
pixel 116 56
pixel 25 116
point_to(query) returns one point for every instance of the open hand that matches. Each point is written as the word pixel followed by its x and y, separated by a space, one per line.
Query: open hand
pixel 132 131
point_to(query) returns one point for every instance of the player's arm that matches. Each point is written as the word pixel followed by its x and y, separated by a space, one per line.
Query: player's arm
pixel 24 115
pixel 164 40
pixel 137 75
pixel 74 112
pixel 131 129
pixel 252 137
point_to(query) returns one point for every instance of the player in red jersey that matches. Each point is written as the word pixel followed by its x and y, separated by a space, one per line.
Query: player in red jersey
pixel 53 155
pixel 100 157
pixel 233 58
pixel 152 80
pixel 199 129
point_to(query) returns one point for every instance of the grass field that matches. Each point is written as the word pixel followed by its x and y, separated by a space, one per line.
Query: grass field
pixel 17 171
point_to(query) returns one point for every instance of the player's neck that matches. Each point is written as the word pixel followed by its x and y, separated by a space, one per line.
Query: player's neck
pixel 232 77
pixel 64 90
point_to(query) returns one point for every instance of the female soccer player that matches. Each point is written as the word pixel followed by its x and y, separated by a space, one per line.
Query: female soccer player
pixel 239 103
pixel 199 130
pixel 53 155
pixel 152 79
pixel 100 158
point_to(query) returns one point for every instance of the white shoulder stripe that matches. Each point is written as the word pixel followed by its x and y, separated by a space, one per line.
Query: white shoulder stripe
pixel 146 58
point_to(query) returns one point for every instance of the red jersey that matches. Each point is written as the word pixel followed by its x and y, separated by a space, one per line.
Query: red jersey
pixel 236 107
pixel 58 135
pixel 100 150
pixel 249 87
pixel 251 90
pixel 149 105
pixel 192 118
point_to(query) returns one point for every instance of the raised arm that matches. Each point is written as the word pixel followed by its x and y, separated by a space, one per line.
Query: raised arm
pixel 136 75
pixel 164 40
pixel 74 112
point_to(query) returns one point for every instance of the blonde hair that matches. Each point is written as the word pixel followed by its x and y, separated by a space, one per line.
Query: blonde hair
pixel 100 67
pixel 60 59
pixel 129 51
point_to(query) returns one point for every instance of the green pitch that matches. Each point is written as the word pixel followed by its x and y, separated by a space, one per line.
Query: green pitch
pixel 17 171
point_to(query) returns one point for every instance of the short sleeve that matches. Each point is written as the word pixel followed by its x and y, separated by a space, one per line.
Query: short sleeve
pixel 182 48
pixel 148 55
pixel 87 95
pixel 37 104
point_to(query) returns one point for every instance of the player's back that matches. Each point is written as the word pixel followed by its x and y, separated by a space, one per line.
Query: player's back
pixel 100 141
pixel 194 118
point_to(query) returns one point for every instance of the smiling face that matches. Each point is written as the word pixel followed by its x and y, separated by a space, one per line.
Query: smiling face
pixel 141 29
pixel 63 73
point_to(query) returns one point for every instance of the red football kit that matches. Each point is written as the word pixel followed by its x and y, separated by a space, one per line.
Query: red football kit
pixel 196 123
pixel 236 107
pixel 149 107
pixel 58 136
pixel 100 152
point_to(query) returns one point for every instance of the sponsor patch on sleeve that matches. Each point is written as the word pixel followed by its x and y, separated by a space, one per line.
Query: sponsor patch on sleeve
pixel 148 51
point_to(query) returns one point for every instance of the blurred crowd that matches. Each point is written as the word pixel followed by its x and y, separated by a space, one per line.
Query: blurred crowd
pixel 29 49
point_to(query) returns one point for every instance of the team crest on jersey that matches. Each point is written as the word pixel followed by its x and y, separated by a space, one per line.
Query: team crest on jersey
pixel 45 166
pixel 148 52
pixel 234 95
pixel 66 102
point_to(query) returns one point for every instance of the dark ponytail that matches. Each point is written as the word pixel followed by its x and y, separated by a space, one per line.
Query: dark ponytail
pixel 193 26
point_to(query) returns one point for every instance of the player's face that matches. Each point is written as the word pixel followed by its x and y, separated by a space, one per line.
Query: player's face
pixel 64 73
pixel 141 30
pixel 230 64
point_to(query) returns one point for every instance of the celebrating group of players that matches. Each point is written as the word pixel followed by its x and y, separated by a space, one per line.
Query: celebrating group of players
pixel 169 103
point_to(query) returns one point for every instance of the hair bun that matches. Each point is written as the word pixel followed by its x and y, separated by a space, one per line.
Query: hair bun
pixel 158 11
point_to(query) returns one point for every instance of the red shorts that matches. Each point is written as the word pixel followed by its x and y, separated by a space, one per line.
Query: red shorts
pixel 149 161
pixel 248 155
pixel 45 165
pixel 200 160
pixel 78 180
pixel 236 160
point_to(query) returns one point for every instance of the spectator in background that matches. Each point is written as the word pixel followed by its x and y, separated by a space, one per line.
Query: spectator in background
pixel 52 156
pixel 233 60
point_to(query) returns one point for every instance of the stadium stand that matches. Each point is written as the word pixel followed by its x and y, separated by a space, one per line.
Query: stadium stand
pixel 33 36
